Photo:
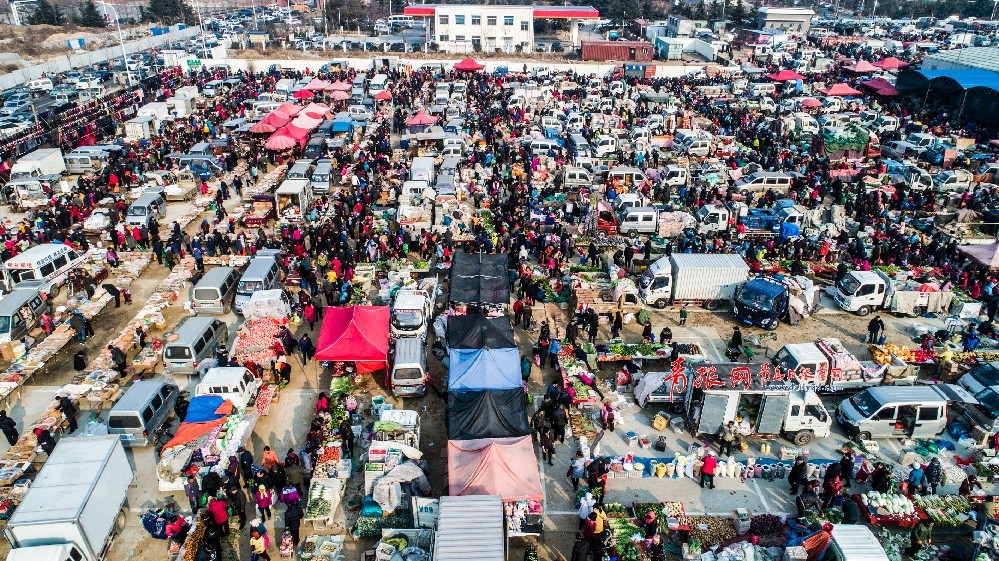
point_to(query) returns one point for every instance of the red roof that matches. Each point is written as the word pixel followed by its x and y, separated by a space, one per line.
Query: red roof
pixel 566 12
pixel 419 10
pixel 358 333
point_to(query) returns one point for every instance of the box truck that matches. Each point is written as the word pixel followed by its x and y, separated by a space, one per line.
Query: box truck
pixel 75 505
pixel 698 278
pixel 40 163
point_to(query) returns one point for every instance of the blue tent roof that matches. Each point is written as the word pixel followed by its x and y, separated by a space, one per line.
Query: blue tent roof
pixel 966 78
pixel 484 369
pixel 202 408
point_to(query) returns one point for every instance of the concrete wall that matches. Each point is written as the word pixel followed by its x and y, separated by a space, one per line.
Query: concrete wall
pixel 585 68
pixel 74 61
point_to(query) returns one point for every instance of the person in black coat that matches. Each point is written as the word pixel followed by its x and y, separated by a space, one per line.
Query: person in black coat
pixel 580 549
pixel 851 512
pixel 9 428
pixel 80 361
pixel 796 476
pixel 68 409
pixel 846 467
pixel 45 440
pixel 293 520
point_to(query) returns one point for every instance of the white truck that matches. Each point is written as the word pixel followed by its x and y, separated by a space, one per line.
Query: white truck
pixel 826 364
pixel 862 292
pixel 75 506
pixel 422 170
pixel 413 309
pixel 799 416
pixel 699 278
pixel 44 162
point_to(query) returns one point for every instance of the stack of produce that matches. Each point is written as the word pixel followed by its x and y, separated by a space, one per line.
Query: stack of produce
pixel 626 538
pixel 711 530
pixel 948 511
pixel 769 528
pixel 255 339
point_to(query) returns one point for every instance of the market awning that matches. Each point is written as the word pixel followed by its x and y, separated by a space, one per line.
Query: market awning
pixel 862 67
pixel 277 118
pixel 487 414
pixel 207 408
pixel 383 95
pixel 355 334
pixel 891 63
pixel 317 85
pixel 468 65
pixel 421 119
pixel 494 466
pixel 985 255
pixel 478 331
pixel 280 141
pixel 841 89
pixel 484 369
pixel 189 432
pixel 479 278
pixel 289 108
pixel 340 86
pixel 785 76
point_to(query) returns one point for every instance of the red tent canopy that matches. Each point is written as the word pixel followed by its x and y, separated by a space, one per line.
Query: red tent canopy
pixel 276 118
pixel 421 118
pixel 840 90
pixel 289 108
pixel 494 466
pixel 876 83
pixel 263 127
pixel 356 334
pixel 303 94
pixel 468 65
pixel 888 91
pixel 810 102
pixel 340 86
pixel 295 131
pixel 862 67
pixel 383 95
pixel 785 76
pixel 317 85
pixel 891 63
pixel 280 141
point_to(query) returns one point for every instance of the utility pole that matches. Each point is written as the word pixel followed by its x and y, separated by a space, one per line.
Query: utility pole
pixel 121 39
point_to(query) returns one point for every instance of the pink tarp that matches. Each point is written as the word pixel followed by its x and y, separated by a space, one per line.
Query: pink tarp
pixel 785 76
pixel 862 67
pixel 891 63
pixel 338 95
pixel 987 255
pixel 468 65
pixel 494 466
pixel 262 127
pixel 276 118
pixel 316 110
pixel 289 108
pixel 357 334
pixel 280 141
pixel 840 90
pixel 340 86
pixel 306 122
pixel 317 85
pixel 421 118
pixel 295 131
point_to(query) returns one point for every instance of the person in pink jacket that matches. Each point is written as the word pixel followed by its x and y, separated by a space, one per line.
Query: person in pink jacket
pixel 264 499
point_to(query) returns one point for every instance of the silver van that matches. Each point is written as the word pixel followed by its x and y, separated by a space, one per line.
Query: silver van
pixel 638 220
pixel 409 369
pixel 147 208
pixel 763 181
pixel 20 312
pixel 301 169
pixel 261 274
pixel 84 162
pixel 144 407
pixel 194 348
pixel 214 292
pixel 322 176
pixel 893 411
pixel 576 177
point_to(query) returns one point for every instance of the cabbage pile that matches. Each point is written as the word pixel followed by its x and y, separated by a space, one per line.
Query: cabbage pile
pixel 888 503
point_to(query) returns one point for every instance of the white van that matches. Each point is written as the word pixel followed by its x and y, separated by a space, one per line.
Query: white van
pixel 574 177
pixel 409 369
pixel 234 383
pixel 416 192
pixel 761 89
pixel 39 85
pixel 322 176
pixel 284 86
pixel 763 181
pixel 638 220
pixel 262 273
pixel 49 263
pixel 889 412
pixel 378 84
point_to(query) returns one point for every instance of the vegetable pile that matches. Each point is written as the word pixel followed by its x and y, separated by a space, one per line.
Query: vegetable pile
pixel 624 532
pixel 617 510
pixel 949 511
pixel 711 530
pixel 766 525
pixel 881 504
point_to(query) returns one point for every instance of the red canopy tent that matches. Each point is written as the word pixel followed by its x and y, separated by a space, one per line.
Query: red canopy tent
pixel 263 127
pixel 785 76
pixel 888 91
pixel 280 141
pixel 862 67
pixel 420 122
pixel 841 89
pixel 303 94
pixel 338 95
pixel 891 63
pixel 358 334
pixel 317 85
pixel 276 118
pixel 468 65
pixel 340 86
pixel 810 102
pixel 494 466
pixel 289 108
pixel 383 95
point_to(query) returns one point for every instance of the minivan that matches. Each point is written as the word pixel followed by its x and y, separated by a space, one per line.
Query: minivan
pixel 20 312
pixel 212 89
pixel 763 181
pixel 976 380
pixel 905 412
pixel 197 340
pixel 214 292
pixel 360 113
pixel 86 162
pixel 301 169
pixel 322 176
pixel 39 85
pixel 147 208
pixel 576 177
pixel 409 370
pixel 142 410
pixel 636 220
pixel 261 274
pixel 233 383
pixel 315 147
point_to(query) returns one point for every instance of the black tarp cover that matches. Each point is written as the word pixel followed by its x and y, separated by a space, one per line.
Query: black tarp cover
pixel 487 414
pixel 477 331
pixel 480 278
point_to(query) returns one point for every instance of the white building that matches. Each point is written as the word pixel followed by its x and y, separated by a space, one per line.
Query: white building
pixel 465 29
pixel 796 20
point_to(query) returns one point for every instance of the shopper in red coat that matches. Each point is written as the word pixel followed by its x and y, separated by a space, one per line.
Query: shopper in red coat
pixel 708 469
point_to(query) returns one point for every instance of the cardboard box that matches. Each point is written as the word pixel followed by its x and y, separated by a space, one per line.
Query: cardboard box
pixel 7 351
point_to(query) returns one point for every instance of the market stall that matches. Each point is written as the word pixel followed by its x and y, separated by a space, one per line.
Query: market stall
pixel 479 280
pixel 500 466
pixel 478 331
pixel 474 415
pixel 358 334
pixel 484 369
pixel 323 502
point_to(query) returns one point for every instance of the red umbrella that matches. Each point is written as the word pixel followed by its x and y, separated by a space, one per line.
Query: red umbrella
pixel 262 127
pixel 468 65
pixel 303 94
pixel 891 63
pixel 840 90
pixel 280 142
pixel 383 95
pixel 785 76
pixel 810 102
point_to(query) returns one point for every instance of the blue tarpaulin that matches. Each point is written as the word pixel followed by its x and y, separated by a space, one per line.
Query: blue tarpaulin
pixel 484 369
pixel 789 230
pixel 203 408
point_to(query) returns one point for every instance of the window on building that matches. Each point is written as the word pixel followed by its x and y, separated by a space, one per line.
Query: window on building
pixel 476 20
pixel 507 20
pixel 459 37
pixel 524 26
pixel 444 39
pixel 491 20
pixel 443 20
pixel 459 20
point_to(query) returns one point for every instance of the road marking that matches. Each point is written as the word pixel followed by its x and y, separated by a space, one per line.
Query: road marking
pixel 763 499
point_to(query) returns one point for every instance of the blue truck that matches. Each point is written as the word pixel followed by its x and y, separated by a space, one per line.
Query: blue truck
pixel 762 302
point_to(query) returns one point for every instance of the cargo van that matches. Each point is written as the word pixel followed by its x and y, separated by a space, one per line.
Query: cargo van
pixel 576 178
pixel 142 410
pixel 409 369
pixel 234 383
pixel 635 220
pixel 48 263
pixel 315 147
pixel 322 176
pixel 213 88
pixel 262 273
pixel 197 340
pixel 284 87
pixel 377 84
pixel 762 89
pixel 906 412
pixel 415 192
pixel 84 162
pixel 625 175
pixel 301 169
pixel 763 181
pixel 147 208
pixel 20 312
pixel 215 291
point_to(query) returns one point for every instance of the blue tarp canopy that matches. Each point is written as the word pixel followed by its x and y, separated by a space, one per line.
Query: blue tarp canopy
pixel 203 408
pixel 484 369
pixel 789 230
pixel 967 79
